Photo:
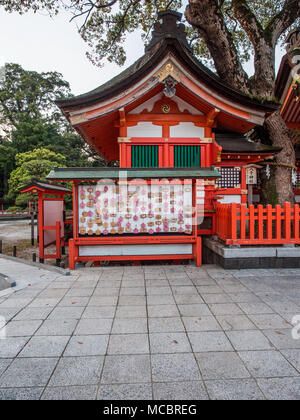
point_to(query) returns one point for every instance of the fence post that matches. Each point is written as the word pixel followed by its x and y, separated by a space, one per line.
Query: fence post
pixel 58 248
pixel 233 221
pixel 251 222
pixel 269 222
pixel 287 221
pixel 243 222
pixel 260 221
pixel 278 221
pixel 296 222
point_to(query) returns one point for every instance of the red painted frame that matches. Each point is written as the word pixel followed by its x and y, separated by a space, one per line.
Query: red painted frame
pixel 59 241
pixel 166 149
pixel 138 240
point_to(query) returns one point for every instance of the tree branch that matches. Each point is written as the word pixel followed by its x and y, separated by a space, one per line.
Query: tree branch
pixel 284 19
pixel 264 51
pixel 103 6
pixel 248 20
pixel 206 16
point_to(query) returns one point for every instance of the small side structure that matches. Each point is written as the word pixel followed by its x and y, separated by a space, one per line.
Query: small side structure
pixel 51 217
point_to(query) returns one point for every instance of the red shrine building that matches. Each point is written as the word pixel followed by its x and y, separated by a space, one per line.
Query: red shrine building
pixel 180 136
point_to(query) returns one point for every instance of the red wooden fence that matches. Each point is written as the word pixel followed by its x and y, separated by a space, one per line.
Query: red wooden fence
pixel 239 224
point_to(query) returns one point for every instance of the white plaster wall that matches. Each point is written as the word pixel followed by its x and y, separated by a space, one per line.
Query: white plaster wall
pixel 144 129
pixel 186 129
pixel 230 199
pixel 147 105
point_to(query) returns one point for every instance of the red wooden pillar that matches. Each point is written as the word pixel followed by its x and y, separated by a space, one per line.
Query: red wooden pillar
pixel 58 243
pixel 128 156
pixel 71 254
pixel 41 224
pixel 243 186
pixel 166 155
pixel 123 155
pixel 75 191
pixel 199 251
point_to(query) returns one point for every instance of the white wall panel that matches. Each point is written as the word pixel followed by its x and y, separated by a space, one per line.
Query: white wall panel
pixel 144 129
pixel 186 129
pixel 120 250
pixel 230 199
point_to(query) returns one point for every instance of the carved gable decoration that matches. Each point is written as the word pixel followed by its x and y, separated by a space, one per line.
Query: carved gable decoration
pixel 166 106
pixel 168 69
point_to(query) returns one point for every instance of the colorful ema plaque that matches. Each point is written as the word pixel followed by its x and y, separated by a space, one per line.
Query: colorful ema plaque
pixel 116 208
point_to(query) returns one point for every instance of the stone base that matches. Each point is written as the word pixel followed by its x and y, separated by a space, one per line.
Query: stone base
pixel 214 252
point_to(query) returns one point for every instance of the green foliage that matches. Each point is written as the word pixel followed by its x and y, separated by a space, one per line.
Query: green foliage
pixel 28 95
pixel 14 209
pixel 33 165
pixel 29 119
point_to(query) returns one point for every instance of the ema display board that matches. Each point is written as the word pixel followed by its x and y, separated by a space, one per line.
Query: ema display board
pixel 112 208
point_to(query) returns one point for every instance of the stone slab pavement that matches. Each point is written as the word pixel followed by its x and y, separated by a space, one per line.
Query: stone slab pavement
pixel 151 332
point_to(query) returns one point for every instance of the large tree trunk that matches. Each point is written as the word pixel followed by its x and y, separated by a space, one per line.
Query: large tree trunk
pixel 268 192
pixel 207 17
pixel 280 136
pixel 263 82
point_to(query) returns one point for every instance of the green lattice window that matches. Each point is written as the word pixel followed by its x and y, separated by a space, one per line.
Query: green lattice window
pixel 187 156
pixel 144 156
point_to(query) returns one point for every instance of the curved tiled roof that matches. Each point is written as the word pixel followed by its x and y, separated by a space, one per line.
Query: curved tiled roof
pixel 237 143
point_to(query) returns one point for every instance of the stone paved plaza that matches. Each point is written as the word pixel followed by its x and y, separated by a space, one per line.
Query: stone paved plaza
pixel 150 332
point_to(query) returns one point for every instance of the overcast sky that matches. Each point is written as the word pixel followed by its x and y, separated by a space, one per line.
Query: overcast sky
pixel 38 42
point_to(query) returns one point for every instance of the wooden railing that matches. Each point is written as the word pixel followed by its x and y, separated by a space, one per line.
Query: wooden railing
pixel 239 224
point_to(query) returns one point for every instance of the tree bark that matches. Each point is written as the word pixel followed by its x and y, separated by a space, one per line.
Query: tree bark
pixel 263 82
pixel 285 160
pixel 268 192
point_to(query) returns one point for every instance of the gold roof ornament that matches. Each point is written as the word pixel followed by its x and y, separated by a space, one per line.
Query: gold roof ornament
pixel 167 70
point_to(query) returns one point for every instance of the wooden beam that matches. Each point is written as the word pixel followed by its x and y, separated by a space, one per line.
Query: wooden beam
pixel 201 119
pixel 122 117
pixel 211 116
